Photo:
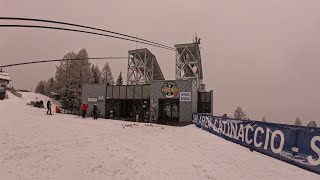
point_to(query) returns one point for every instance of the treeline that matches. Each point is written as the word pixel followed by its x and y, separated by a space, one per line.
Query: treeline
pixel 66 84
pixel 240 114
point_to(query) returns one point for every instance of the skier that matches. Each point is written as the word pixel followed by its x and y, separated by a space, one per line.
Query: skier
pixel 84 109
pixel 49 107
pixel 95 111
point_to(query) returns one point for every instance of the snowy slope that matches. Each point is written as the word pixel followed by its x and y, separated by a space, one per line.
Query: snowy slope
pixel 34 145
pixel 30 96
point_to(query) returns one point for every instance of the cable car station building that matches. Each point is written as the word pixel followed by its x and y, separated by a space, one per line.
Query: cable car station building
pixel 4 81
pixel 148 97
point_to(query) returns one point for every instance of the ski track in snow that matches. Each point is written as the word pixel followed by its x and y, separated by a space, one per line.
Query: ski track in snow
pixel 34 145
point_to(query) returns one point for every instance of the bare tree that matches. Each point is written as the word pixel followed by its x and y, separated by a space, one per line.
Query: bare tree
pixel 239 114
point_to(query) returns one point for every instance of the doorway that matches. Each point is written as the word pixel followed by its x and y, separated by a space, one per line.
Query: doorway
pixel 169 111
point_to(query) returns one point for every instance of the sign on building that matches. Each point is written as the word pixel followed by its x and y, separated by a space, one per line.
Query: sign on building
pixel 185 96
pixel 100 99
pixel 90 99
pixel 169 89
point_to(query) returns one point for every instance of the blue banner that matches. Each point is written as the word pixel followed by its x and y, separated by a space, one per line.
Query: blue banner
pixel 296 145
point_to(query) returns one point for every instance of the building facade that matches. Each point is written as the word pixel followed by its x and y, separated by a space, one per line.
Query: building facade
pixel 162 101
pixel 4 81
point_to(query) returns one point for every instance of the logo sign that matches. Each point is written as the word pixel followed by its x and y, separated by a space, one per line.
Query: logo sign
pixel 169 89
pixel 185 96
pixel 90 99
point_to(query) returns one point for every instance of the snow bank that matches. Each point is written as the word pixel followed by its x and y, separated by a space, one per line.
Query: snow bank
pixel 34 145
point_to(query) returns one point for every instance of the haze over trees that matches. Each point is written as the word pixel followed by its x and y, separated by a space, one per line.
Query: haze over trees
pixel 69 78
pixel 312 124
pixel 106 74
pixel 239 114
pixel 264 119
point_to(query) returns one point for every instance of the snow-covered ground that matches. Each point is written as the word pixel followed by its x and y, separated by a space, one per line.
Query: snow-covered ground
pixel 34 145
pixel 30 96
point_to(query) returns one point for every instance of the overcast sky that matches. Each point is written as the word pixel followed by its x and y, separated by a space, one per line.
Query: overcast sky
pixel 261 55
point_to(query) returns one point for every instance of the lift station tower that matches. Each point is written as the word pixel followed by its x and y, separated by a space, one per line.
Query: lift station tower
pixel 188 63
pixel 143 67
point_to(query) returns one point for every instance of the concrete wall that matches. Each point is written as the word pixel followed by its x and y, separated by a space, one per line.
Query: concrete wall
pixel 186 107
pixel 95 91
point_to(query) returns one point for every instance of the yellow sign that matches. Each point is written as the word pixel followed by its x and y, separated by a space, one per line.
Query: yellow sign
pixel 169 89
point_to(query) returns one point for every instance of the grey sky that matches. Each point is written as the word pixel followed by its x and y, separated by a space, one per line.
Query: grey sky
pixel 261 55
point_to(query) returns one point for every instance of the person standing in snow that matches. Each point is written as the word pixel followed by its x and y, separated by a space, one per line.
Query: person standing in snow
pixel 95 111
pixel 84 109
pixel 49 107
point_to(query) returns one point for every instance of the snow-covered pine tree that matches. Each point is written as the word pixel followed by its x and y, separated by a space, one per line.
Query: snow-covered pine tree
pixel 68 99
pixel 120 79
pixel 106 75
pixel 96 74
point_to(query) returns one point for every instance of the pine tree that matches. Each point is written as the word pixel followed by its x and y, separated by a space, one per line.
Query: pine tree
pixel 49 86
pixel 239 114
pixel 68 99
pixel 298 122
pixel 106 74
pixel 40 87
pixel 96 74
pixel 120 79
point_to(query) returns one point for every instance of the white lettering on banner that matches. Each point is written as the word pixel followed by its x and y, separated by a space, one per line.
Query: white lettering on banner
pixel 220 127
pixel 234 129
pixel 316 150
pixel 229 129
pixel 266 142
pixel 185 96
pixel 241 133
pixel 256 135
pixel 248 141
pixel 224 127
pixel 215 125
pixel 273 136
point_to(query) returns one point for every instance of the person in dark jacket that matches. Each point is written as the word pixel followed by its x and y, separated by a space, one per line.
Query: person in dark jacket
pixel 95 111
pixel 49 107
pixel 84 109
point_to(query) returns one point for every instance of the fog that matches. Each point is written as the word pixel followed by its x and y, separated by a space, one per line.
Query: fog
pixel 260 55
